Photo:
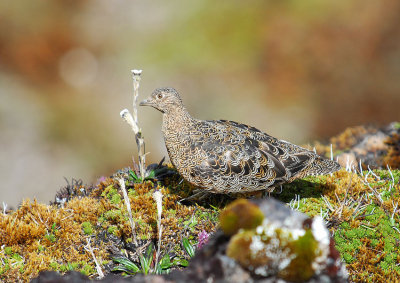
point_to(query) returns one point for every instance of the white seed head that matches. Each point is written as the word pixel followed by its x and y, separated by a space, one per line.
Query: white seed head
pixel 136 72
pixel 123 113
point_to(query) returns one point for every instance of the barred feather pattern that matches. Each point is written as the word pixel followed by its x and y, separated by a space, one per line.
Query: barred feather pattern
pixel 228 157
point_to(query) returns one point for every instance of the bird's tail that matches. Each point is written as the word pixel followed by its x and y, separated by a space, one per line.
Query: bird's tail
pixel 322 166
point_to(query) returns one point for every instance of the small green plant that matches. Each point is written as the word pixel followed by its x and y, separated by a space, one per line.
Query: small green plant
pixel 188 247
pixel 164 265
pixel 146 260
pixel 151 173
pixel 125 265
pixel 137 179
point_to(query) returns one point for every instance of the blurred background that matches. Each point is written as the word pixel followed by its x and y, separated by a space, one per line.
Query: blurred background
pixel 298 70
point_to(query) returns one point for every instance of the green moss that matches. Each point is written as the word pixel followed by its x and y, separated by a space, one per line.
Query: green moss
pixel 112 229
pixel 12 261
pixel 312 207
pixel 116 199
pixel 8 250
pixel 87 228
pixel 348 258
pixel 69 266
pixel 114 214
pixel 350 240
pixel 87 270
pixel 112 194
pixel 51 237
pixel 54 266
pixel 374 242
pixel 4 268
pixel 63 268
pixel 132 193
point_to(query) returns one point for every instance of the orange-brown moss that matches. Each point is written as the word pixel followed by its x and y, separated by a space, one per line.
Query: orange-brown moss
pixel 349 137
pixel 345 140
pixel 42 234
pixel 392 158
pixel 347 184
pixel 52 237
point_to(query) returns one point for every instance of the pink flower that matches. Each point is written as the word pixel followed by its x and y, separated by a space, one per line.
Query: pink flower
pixel 203 239
pixel 101 179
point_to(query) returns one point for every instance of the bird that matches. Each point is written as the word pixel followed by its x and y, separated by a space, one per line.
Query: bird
pixel 225 157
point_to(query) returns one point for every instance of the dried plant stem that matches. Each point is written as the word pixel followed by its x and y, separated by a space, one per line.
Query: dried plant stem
pixel 133 122
pixel 136 82
pixel 89 249
pixel 4 208
pixel 157 196
pixel 128 208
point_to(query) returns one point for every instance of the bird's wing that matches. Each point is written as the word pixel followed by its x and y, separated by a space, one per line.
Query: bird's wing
pixel 230 155
pixel 293 157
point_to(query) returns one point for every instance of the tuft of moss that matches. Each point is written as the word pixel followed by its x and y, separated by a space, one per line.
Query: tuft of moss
pixel 240 214
pixel 112 230
pixel 87 228
pixel 392 158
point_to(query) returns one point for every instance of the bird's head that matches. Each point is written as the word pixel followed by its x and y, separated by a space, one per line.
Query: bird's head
pixel 164 99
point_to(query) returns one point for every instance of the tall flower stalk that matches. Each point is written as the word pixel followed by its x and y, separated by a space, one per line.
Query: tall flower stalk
pixel 133 122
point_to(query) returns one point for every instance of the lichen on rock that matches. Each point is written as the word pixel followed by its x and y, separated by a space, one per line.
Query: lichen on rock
pixel 286 244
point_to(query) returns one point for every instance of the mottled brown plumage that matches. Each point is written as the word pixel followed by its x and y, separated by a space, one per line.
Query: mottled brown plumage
pixel 228 157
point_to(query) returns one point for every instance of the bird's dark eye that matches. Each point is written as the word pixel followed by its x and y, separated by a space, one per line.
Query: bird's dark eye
pixel 159 96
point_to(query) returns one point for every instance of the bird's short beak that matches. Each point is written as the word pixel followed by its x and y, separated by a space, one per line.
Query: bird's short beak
pixel 146 102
